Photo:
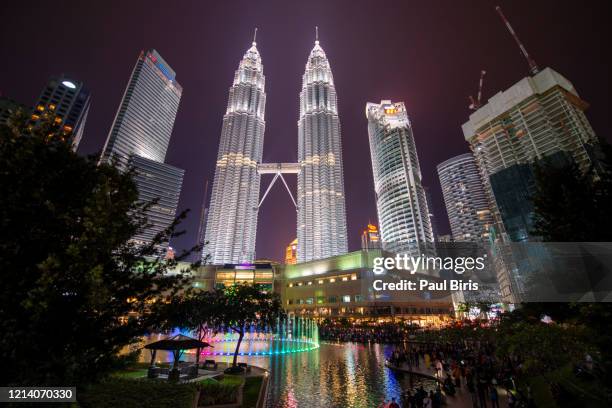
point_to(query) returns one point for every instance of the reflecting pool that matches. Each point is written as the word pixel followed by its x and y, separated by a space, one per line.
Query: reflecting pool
pixel 333 375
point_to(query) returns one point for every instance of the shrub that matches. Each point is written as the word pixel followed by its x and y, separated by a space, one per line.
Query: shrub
pixel 131 393
pixel 225 391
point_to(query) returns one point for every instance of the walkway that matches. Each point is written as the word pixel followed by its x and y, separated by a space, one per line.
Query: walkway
pixel 462 397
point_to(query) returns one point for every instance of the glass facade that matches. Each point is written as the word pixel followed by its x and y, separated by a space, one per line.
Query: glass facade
pixel 143 124
pixel 465 198
pixel 161 182
pixel 140 136
pixel 401 203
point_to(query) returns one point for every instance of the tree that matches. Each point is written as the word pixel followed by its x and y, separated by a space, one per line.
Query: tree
pixel 572 205
pixel 242 306
pixel 195 310
pixel 74 289
pixel 541 348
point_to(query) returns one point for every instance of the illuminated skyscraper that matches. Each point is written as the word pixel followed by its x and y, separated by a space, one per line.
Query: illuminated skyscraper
pixel 232 217
pixel 403 215
pixel 67 101
pixel 291 253
pixel 370 238
pixel 140 136
pixel 321 221
pixel 466 201
pixel 144 121
pixel 161 182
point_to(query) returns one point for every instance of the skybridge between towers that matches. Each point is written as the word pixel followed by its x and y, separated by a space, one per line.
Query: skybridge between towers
pixel 278 169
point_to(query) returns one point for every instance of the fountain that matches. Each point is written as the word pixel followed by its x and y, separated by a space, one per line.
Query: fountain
pixel 292 335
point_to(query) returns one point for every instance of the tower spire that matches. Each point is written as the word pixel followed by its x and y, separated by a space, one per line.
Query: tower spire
pixel 255 37
pixel 316 34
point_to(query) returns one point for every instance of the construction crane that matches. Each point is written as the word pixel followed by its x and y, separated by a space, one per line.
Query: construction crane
pixel 475 104
pixel 533 67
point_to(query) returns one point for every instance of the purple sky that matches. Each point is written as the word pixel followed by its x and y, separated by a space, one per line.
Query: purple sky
pixel 427 54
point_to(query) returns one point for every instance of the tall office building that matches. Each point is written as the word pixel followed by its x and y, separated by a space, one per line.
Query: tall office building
pixel 144 121
pixel 161 182
pixel 321 219
pixel 140 135
pixel 466 202
pixel 541 116
pixel 432 218
pixel 67 101
pixel 403 215
pixel 232 218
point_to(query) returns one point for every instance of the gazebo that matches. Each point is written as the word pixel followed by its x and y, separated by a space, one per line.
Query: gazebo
pixel 177 345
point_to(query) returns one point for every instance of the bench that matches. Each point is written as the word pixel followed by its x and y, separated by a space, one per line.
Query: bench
pixel 208 363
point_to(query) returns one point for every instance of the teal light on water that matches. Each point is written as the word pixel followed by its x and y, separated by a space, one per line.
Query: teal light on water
pixel 294 335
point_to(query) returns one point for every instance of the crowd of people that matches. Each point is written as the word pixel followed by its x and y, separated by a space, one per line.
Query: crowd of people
pixel 381 333
pixel 473 366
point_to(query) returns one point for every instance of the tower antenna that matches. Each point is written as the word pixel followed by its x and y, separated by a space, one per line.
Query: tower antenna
pixel 255 36
pixel 317 34
pixel 533 67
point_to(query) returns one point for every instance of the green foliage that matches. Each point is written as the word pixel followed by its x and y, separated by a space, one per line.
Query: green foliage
pixel 250 393
pixel 130 393
pixel 194 310
pixel 572 205
pixel 243 305
pixel 542 348
pixel 74 290
pixel 213 392
pixel 234 308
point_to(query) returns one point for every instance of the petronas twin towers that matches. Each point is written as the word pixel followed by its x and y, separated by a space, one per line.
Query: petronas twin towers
pixel 321 213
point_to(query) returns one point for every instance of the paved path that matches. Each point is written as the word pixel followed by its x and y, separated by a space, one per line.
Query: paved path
pixel 462 397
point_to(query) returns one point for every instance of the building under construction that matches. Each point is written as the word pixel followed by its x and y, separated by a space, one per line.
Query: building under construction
pixel 540 117
pixel 536 117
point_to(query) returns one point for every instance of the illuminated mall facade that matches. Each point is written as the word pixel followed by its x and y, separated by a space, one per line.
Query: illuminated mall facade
pixel 333 288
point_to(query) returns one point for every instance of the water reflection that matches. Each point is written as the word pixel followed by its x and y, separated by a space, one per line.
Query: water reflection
pixel 335 375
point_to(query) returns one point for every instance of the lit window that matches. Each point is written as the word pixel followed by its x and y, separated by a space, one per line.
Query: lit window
pixel 320 281
pixel 332 280
pixel 310 282
pixel 346 298
pixel 344 278
pixel 354 276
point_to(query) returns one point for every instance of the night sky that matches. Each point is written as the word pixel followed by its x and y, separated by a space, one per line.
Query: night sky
pixel 426 53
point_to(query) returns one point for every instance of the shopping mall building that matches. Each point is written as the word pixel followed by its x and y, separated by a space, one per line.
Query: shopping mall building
pixel 336 287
